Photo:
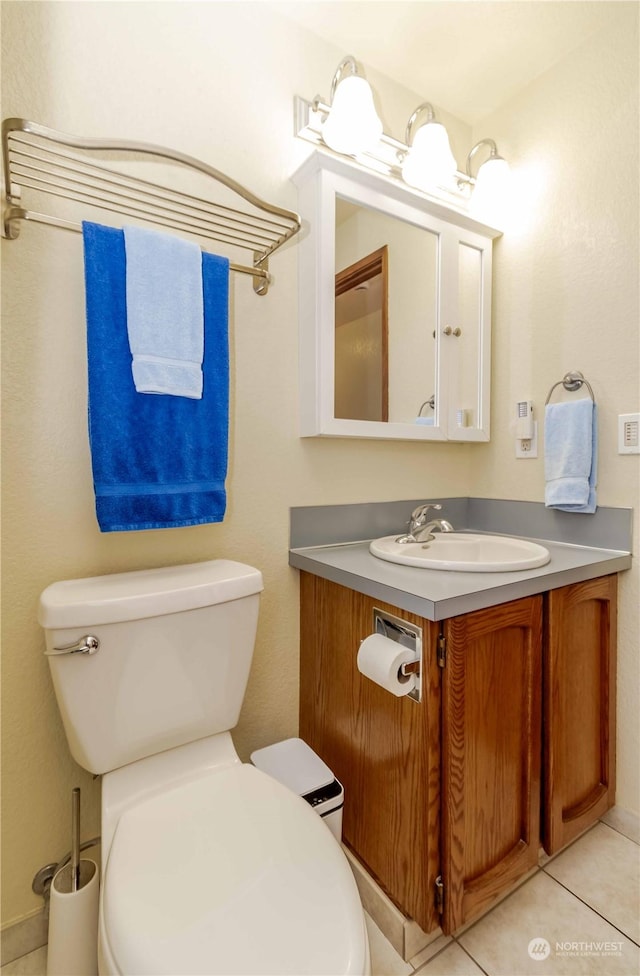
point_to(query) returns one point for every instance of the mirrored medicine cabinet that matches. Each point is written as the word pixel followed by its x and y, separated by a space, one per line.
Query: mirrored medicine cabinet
pixel 395 309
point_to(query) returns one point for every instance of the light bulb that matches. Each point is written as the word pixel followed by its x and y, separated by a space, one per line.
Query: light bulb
pixel 429 162
pixel 353 124
pixel 491 191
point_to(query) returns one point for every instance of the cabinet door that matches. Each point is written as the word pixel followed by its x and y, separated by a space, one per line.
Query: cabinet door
pixel 465 335
pixel 383 749
pixel 490 755
pixel 579 708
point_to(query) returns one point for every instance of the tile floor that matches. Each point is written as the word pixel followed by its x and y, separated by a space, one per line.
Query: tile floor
pixel 579 915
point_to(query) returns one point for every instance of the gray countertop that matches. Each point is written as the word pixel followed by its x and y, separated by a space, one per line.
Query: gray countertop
pixel 438 594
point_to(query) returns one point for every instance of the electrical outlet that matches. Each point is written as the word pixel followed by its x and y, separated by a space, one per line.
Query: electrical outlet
pixel 527 447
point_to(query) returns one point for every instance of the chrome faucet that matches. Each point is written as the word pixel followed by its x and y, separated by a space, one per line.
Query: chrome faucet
pixel 419 525
pixel 440 524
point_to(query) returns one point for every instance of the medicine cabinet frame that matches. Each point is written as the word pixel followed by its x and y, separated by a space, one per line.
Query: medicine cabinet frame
pixel 321 180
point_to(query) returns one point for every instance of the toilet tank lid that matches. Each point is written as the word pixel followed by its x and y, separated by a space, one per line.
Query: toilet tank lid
pixel 145 593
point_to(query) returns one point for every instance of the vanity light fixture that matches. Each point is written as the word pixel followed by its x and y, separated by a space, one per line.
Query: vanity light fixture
pixel 491 182
pixel 352 124
pixel 429 161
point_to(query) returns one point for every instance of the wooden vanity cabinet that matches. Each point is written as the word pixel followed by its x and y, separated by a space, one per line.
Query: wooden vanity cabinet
pixel 451 788
pixel 579 708
pixel 384 750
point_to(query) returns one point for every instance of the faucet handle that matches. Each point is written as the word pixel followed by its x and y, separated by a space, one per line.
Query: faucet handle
pixel 421 510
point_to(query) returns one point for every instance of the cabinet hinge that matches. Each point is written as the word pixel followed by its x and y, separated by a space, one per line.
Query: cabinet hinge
pixel 442 651
pixel 439 895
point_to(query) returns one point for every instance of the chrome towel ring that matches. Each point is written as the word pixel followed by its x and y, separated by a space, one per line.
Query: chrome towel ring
pixel 571 381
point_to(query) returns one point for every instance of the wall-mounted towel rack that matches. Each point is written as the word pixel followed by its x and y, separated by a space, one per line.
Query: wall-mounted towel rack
pixel 571 381
pixel 36 158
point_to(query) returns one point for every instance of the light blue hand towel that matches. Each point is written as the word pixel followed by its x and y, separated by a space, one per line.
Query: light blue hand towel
pixel 570 456
pixel 165 318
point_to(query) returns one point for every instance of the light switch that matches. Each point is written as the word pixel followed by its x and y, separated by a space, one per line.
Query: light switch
pixel 629 433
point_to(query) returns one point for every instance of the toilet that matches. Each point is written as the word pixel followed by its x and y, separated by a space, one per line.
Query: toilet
pixel 209 865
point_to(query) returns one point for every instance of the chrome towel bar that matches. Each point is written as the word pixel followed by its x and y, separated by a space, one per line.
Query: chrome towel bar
pixel 37 159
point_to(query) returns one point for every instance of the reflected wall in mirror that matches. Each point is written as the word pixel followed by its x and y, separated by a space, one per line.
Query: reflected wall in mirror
pixel 411 312
pixel 361 364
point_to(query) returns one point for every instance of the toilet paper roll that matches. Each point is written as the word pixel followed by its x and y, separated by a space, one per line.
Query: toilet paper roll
pixel 380 658
pixel 73 923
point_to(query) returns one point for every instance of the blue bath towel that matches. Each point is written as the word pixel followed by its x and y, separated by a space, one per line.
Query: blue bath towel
pixel 165 317
pixel 571 456
pixel 158 461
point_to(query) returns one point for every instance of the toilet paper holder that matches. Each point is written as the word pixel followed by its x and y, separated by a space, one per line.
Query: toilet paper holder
pixel 408 635
pixel 413 667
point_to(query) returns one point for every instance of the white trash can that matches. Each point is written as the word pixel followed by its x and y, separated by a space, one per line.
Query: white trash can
pixel 295 764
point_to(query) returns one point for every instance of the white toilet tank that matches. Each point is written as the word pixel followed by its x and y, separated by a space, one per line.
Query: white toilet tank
pixel 174 652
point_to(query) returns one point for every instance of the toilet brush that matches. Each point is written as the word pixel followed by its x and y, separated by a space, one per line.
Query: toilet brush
pixel 73 914
pixel 75 838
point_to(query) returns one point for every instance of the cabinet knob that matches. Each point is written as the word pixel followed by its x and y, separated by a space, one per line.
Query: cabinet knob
pixel 455 332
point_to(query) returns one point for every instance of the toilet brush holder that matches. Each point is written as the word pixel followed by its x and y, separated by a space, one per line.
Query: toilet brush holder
pixel 73 910
pixel 73 922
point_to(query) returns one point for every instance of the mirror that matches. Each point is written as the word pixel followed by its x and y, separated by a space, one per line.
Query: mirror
pixel 361 361
pixel 391 345
pixel 395 310
pixel 466 379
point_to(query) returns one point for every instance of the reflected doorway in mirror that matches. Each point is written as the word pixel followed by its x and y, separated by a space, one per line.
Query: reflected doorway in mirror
pixel 362 339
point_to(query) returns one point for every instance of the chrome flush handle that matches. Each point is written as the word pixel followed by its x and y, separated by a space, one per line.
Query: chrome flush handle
pixel 84 645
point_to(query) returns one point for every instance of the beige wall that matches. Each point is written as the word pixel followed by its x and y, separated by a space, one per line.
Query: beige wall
pixel 217 80
pixel 566 294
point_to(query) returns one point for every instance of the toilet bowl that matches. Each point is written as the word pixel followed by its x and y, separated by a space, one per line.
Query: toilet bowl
pixel 209 864
pixel 227 872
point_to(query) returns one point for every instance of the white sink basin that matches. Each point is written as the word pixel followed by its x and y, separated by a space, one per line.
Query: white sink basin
pixel 463 552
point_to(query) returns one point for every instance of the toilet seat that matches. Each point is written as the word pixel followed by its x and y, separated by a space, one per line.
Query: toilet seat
pixel 231 873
